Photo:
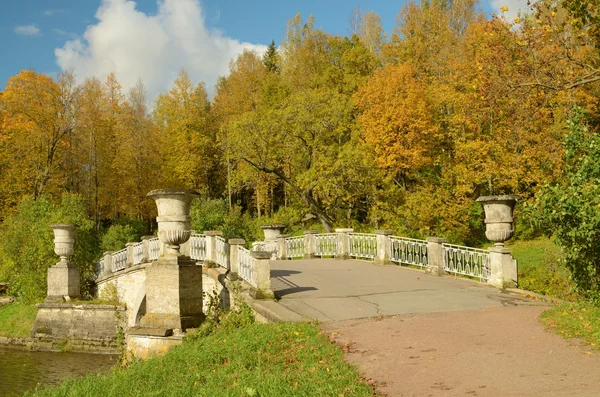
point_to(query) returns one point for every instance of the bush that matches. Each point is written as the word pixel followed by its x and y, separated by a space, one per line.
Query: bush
pixel 27 247
pixel 127 231
pixel 213 215
pixel 571 210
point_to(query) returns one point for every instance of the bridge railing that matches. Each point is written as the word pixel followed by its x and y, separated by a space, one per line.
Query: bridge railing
pixel 294 247
pixel 466 261
pixel 363 245
pixel 198 246
pixel 409 251
pixel 245 264
pixel 433 255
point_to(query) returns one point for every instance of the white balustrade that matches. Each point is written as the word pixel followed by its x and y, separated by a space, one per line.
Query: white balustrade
pixel 222 252
pixel 119 260
pixel 198 247
pixel 467 261
pixel 363 245
pixel 294 247
pixel 245 264
pixel 153 248
pixel 100 267
pixel 409 251
pixel 326 244
pixel 138 253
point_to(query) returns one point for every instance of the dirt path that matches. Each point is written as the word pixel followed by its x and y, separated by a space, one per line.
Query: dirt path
pixel 501 351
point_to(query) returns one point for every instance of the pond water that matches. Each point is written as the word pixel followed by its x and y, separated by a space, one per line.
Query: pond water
pixel 21 370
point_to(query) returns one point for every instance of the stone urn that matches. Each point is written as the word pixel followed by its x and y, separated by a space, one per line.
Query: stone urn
pixel 272 232
pixel 174 220
pixel 499 222
pixel 64 241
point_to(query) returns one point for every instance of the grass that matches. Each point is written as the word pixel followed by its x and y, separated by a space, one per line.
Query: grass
pixel 575 320
pixel 284 359
pixel 16 320
pixel 541 268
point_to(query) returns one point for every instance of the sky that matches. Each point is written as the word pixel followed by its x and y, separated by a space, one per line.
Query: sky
pixel 153 40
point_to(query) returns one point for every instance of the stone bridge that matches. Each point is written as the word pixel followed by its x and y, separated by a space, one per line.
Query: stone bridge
pixel 166 283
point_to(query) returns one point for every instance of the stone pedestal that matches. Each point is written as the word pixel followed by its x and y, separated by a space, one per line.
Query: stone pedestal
pixel 503 268
pixel 173 294
pixel 262 274
pixel 310 244
pixel 63 282
pixel 210 259
pixel 343 243
pixel 234 259
pixel 435 256
pixel 281 247
pixel 63 278
pixel 384 247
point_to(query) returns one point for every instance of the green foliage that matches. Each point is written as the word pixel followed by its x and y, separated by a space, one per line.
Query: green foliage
pixel 571 210
pixel 575 320
pixel 117 235
pixel 208 214
pixel 542 268
pixel 16 320
pixel 27 248
pixel 213 215
pixel 284 359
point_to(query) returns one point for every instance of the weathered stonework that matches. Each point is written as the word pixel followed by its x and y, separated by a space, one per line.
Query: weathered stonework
pixel 145 346
pixel 73 327
pixel 173 294
pixel 130 284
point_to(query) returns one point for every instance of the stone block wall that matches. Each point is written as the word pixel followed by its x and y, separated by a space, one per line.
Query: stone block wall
pixel 66 326
pixel 131 289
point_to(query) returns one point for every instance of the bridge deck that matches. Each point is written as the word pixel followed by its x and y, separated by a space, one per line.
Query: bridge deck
pixel 329 289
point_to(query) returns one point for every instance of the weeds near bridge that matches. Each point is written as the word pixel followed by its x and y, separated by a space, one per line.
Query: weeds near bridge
pixel 220 319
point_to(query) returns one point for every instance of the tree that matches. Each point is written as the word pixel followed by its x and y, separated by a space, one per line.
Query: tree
pixel 271 58
pixel 137 163
pixel 39 116
pixel 187 143
pixel 570 209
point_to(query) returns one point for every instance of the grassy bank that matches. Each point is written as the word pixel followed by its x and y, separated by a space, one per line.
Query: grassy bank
pixel 16 319
pixel 575 320
pixel 253 360
pixel 541 268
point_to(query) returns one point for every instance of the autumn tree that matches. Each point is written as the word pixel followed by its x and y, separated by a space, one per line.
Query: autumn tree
pixel 39 115
pixel 186 142
pixel 137 163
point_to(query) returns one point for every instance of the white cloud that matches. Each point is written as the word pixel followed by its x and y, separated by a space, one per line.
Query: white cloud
pixel 61 32
pixel 151 47
pixel 514 6
pixel 27 30
pixel 50 13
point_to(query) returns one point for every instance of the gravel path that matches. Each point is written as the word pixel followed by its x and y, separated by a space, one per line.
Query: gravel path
pixel 499 351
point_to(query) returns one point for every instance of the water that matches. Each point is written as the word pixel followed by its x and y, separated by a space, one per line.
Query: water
pixel 21 371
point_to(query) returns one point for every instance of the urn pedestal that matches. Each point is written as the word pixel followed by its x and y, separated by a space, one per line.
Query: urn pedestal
pixel 63 278
pixel 174 281
pixel 272 234
pixel 499 227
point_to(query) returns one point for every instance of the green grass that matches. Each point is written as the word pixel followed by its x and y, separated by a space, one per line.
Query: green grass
pixel 16 320
pixel 541 268
pixel 575 320
pixel 284 359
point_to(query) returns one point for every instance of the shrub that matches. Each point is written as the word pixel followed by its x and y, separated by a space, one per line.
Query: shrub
pixel 27 248
pixel 116 236
pixel 570 210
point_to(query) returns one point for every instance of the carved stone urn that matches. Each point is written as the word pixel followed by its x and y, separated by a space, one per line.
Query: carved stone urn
pixel 173 218
pixel 64 241
pixel 499 222
pixel 272 232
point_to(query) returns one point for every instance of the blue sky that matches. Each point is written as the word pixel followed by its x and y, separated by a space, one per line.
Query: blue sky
pixel 153 40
